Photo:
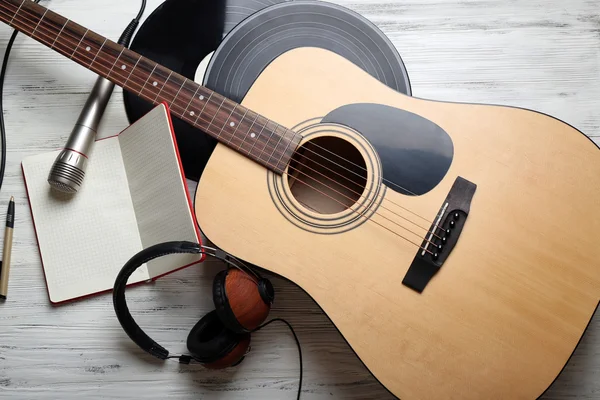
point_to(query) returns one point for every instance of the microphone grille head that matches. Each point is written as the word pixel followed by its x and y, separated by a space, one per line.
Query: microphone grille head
pixel 67 172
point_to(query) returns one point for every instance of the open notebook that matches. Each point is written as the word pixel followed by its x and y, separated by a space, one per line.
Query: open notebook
pixel 133 196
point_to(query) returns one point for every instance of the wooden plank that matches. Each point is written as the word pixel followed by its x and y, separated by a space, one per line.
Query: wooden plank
pixel 540 54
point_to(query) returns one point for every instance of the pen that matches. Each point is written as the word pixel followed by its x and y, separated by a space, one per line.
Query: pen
pixel 8 236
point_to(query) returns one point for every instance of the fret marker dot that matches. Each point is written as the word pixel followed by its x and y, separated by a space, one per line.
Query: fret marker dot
pixel 155 83
pixel 253 135
pixel 232 124
pixel 201 97
pixel 192 113
pixel 123 66
pixel 88 48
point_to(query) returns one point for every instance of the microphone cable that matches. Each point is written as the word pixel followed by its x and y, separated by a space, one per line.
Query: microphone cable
pixel 124 40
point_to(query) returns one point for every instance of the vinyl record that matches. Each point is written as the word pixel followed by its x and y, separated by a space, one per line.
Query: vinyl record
pixel 245 36
pixel 253 44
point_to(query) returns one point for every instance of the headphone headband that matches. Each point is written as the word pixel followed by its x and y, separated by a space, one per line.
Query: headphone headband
pixel 124 316
pixel 129 325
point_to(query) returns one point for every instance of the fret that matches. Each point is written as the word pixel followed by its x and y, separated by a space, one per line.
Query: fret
pixel 212 106
pixel 266 142
pixel 177 94
pixel 222 122
pixel 54 29
pixel 148 79
pixel 16 12
pixel 206 100
pixel 249 133
pixel 289 142
pixel 116 59
pixel 238 126
pixel 279 141
pixel 170 91
pixel 155 84
pixel 192 98
pixel 202 97
pixel 132 69
pixel 79 44
pixel 203 93
pixel 24 22
pixel 124 68
pixel 26 14
pixel 38 24
pixel 216 113
pixel 45 28
pixel 88 48
pixel 57 36
pixel 227 123
pixel 99 50
pixel 245 128
pixel 109 55
pixel 44 32
pixel 258 137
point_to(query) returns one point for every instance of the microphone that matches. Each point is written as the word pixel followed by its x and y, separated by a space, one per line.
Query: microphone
pixel 68 170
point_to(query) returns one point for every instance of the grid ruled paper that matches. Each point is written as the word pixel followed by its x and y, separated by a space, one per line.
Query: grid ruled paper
pixel 86 238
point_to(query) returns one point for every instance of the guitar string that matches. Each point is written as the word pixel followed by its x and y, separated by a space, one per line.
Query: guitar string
pixel 129 76
pixel 360 185
pixel 39 28
pixel 349 198
pixel 305 165
pixel 364 169
pixel 367 218
pixel 276 149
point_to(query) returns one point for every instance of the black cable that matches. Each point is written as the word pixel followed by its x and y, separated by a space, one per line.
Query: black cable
pixel 124 40
pixel 127 34
pixel 2 127
pixel 9 46
pixel 142 9
pixel 297 344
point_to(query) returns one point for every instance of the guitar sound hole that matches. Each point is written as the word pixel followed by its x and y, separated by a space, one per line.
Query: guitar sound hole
pixel 327 175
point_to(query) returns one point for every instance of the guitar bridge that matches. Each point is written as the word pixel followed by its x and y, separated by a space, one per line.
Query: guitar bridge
pixel 442 236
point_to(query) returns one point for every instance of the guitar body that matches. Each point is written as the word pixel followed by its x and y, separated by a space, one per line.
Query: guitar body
pixel 505 311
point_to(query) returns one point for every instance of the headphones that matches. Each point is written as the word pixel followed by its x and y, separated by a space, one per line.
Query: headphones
pixel 222 337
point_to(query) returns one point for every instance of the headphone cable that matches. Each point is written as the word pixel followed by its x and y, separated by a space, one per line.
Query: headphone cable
pixel 124 39
pixel 297 344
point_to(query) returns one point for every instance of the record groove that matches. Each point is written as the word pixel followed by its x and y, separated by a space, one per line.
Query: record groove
pixel 245 36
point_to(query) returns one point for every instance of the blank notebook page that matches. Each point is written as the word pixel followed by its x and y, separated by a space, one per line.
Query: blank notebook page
pixel 157 188
pixel 84 239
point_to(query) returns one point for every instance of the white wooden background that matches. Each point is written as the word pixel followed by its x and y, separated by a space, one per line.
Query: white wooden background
pixel 539 54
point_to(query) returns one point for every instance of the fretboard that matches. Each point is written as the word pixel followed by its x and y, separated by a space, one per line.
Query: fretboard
pixel 253 135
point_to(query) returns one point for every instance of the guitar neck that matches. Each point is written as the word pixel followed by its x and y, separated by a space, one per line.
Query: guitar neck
pixel 247 132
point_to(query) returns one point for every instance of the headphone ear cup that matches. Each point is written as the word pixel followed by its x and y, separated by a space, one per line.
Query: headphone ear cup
pixel 215 346
pixel 238 300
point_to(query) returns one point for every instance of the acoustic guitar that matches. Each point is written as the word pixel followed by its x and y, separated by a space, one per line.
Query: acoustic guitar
pixel 453 245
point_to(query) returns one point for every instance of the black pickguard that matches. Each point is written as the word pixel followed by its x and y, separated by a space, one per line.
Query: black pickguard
pixel 415 153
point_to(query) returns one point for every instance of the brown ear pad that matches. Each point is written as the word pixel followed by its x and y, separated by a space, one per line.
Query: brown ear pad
pixel 240 301
pixel 215 346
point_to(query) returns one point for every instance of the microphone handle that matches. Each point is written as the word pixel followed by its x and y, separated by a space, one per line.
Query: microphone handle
pixel 83 134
